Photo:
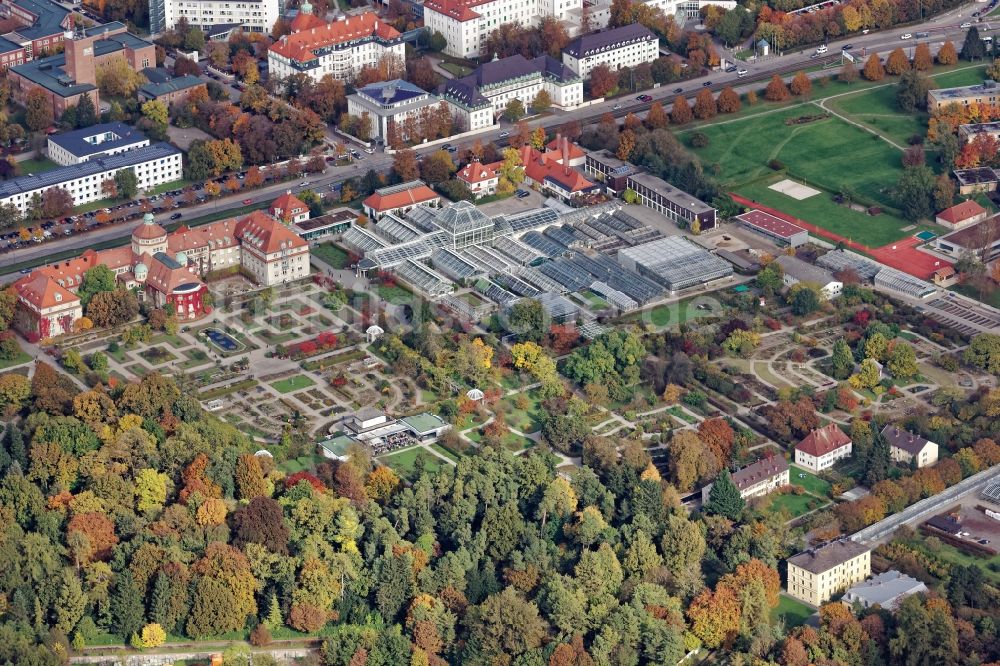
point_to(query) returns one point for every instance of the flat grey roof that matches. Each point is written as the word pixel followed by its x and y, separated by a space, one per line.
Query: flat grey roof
pixel 804 272
pixel 671 193
pixel 130 158
pixel 885 587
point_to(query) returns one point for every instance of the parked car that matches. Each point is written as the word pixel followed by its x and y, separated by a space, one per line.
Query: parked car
pixel 706 84
pixel 247 202
pixel 731 69
pixel 369 150
pixel 176 216
pixel 964 26
pixel 906 36
pixel 504 134
pixel 522 193
pixel 617 107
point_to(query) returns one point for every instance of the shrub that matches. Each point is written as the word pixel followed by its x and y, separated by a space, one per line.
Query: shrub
pixel 260 636
pixel 776 165
pixel 699 140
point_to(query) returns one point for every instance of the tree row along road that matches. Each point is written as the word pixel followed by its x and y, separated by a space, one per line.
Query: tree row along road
pixel 942 28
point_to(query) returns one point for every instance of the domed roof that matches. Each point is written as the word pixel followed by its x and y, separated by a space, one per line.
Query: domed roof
pixel 182 258
pixel 140 268
pixel 149 230
pixel 306 8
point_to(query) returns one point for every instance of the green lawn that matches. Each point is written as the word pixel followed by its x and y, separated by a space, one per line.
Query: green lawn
pixel 36 166
pixel 677 412
pixel 395 294
pixel 457 70
pixel 877 110
pixel 792 612
pixel 670 314
pixel 812 483
pixel 526 420
pixel 292 384
pixel 167 187
pixel 300 464
pixel 20 358
pixel 794 505
pixel 403 462
pixel 331 254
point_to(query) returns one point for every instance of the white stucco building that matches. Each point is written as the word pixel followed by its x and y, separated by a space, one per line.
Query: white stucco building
pixel 822 448
pixel 388 103
pixel 153 165
pixel 688 9
pixel 796 271
pixel 340 48
pixel 479 98
pixel 251 15
pixel 627 46
pixel 94 142
pixel 465 24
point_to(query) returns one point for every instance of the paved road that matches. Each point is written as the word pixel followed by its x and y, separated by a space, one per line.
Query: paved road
pixel 940 28
pixel 925 507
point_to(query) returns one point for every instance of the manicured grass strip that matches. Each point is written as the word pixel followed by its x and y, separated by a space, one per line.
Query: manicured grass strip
pixel 36 166
pixel 792 612
pixel 445 452
pixel 220 391
pixel 812 483
pixel 336 359
pixel 20 358
pixel 292 384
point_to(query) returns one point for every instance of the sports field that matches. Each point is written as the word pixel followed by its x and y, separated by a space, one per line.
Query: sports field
pixel 827 153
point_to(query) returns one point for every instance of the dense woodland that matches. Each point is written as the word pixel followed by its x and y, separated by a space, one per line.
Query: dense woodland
pixel 130 516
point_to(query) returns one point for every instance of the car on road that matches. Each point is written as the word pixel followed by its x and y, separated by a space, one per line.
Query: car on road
pixel 247 202
pixel 25 270
pixel 965 25
pixel 706 84
pixel 304 183
pixel 820 50
pixel 678 90
pixel 645 98
pixel 450 148
pixel 369 150
pixel 176 216
pixel 617 107
pixel 847 47
pixel 730 69
pixel 504 134
pixel 906 36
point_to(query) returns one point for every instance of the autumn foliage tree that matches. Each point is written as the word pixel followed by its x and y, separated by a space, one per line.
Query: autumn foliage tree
pixel 728 101
pixel 897 62
pixel 922 58
pixel 657 116
pixel 947 54
pixel 704 105
pixel 776 90
pixel 801 86
pixel 874 71
pixel 680 112
pixel 602 81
